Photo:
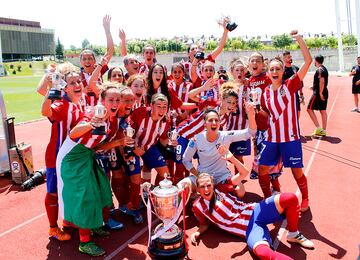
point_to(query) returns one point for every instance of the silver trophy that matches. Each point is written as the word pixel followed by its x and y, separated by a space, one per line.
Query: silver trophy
pixel 128 149
pixel 57 84
pixel 99 113
pixel 172 134
pixel 255 97
pixel 228 24
pixel 167 239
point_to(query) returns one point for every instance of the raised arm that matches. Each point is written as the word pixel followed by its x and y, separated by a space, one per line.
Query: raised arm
pixel 305 52
pixel 122 36
pixel 96 74
pixel 222 42
pixel 109 39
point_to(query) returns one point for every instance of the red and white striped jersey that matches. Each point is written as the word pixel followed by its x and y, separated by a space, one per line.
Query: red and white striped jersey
pixel 91 141
pixel 192 126
pixel 260 82
pixel 238 120
pixel 144 69
pixel 229 213
pixel 65 115
pixel 281 106
pixel 182 91
pixel 85 78
pixel 147 131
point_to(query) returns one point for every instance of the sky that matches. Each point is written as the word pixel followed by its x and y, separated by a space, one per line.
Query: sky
pixel 74 21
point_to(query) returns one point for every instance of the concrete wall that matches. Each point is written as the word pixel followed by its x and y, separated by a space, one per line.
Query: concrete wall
pixel 331 61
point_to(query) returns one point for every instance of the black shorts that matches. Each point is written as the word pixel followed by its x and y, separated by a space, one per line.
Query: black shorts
pixel 355 89
pixel 316 103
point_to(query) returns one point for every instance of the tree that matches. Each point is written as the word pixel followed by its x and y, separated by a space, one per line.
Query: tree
pixel 73 48
pixel 85 44
pixel 281 41
pixel 254 44
pixel 59 50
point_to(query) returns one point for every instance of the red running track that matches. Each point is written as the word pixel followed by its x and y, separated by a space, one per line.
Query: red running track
pixel 332 166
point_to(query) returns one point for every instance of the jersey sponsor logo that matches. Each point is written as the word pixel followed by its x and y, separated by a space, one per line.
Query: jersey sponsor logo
pixel 257 83
pixel 231 133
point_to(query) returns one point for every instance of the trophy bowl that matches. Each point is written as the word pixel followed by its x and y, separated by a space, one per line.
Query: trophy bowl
pixel 55 90
pixel 100 113
pixel 167 239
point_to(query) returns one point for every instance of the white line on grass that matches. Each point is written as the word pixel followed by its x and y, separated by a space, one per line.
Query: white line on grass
pixel 307 170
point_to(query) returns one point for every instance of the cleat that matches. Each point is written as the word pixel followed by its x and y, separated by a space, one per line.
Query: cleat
pixel 112 224
pixel 304 205
pixel 301 240
pixel 124 209
pixel 355 109
pixel 138 218
pixel 91 249
pixel 100 232
pixel 59 234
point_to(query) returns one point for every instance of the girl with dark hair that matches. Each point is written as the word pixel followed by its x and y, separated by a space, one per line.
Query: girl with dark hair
pixel 247 220
pixel 181 88
pixel 156 81
pixel 116 74
pixel 283 135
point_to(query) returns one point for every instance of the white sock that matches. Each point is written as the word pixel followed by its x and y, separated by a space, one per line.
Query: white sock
pixel 293 234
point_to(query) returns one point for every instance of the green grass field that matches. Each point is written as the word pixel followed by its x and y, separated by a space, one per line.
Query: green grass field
pixel 20 97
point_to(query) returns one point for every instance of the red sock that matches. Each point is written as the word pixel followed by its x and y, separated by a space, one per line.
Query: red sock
pixel 275 184
pixel 179 172
pixel 265 252
pixel 84 235
pixel 134 195
pixel 120 187
pixel 289 202
pixel 264 181
pixel 52 208
pixel 106 214
pixel 302 183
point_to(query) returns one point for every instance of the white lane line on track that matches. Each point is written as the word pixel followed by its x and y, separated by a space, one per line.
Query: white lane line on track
pixel 125 244
pixel 282 229
pixel 22 224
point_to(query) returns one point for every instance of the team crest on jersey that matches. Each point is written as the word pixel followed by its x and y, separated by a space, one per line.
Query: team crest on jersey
pixel 132 167
pixel 184 90
pixel 217 145
pixel 282 92
pixel 178 157
pixel 244 94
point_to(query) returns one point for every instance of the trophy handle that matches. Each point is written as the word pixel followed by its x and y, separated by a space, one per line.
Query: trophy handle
pixel 188 197
pixel 142 186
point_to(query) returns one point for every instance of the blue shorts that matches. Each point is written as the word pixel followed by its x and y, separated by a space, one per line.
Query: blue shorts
pixel 241 147
pixel 180 149
pixel 115 159
pixel 51 180
pixel 289 152
pixel 152 159
pixel 265 213
pixel 104 162
pixel 132 167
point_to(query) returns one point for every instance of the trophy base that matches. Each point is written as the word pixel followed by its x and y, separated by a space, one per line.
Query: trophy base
pixel 54 94
pixel 100 130
pixel 169 245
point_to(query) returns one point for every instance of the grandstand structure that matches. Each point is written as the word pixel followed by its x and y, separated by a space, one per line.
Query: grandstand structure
pixel 24 40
